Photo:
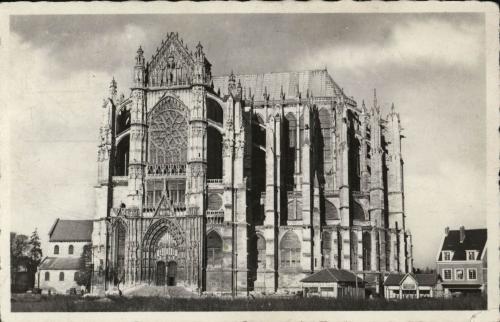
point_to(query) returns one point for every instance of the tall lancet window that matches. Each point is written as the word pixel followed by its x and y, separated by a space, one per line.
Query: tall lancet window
pixel 290 150
pixel 326 129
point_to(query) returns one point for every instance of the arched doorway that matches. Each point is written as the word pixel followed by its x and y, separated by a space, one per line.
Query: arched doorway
pixel 164 241
pixel 171 273
pixel 160 273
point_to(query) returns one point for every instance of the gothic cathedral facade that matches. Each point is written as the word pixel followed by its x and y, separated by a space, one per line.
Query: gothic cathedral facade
pixel 244 182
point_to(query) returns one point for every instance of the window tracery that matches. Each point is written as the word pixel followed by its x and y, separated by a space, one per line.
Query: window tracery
pixel 168 133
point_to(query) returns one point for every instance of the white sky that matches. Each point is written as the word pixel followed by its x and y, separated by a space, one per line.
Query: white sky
pixel 432 66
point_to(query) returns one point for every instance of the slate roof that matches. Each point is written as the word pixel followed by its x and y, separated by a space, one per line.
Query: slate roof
pixel 475 239
pixel 422 279
pixel 330 275
pixel 71 230
pixel 319 82
pixel 60 263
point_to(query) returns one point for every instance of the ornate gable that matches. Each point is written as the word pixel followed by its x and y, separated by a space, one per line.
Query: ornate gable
pixel 172 63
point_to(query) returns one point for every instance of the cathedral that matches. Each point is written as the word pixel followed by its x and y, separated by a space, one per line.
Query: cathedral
pixel 241 183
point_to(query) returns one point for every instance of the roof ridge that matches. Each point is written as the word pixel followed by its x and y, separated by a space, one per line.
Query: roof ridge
pixel 275 72
pixel 331 274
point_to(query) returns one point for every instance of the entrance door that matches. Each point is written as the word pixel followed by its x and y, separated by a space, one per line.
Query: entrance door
pixel 171 273
pixel 160 273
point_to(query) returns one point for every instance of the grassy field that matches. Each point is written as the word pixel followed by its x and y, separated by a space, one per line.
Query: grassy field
pixel 61 303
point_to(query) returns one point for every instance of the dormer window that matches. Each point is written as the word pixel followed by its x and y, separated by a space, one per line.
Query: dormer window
pixel 471 255
pixel 447 255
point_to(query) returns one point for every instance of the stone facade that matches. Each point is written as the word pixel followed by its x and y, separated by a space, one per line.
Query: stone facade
pixel 244 182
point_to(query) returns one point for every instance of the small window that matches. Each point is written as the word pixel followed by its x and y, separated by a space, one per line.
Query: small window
pixel 56 250
pixel 447 256
pixel 447 274
pixel 61 276
pixel 471 255
pixel 70 249
pixel 471 274
pixel 47 276
pixel 459 274
pixel 76 277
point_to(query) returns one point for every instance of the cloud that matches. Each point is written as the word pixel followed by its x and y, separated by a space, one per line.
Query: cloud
pixel 53 132
pixel 453 196
pixel 430 42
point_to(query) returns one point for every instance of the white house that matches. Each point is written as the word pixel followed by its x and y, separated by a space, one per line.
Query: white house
pixel 57 272
pixel 401 286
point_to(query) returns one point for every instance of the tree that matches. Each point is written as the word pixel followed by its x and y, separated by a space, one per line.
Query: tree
pixel 19 255
pixel 85 273
pixel 35 252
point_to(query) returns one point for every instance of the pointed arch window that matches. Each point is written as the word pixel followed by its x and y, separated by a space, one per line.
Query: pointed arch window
pixel 214 250
pixel 56 250
pixel 70 249
pixel 290 250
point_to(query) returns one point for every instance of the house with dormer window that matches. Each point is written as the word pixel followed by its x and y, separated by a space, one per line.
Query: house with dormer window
pixel 461 260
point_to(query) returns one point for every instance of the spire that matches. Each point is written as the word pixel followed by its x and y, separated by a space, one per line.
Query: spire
pixel 282 94
pixel 112 88
pixel 375 104
pixel 139 58
pixel 266 96
pixel 231 85
pixel 363 106
pixel 392 108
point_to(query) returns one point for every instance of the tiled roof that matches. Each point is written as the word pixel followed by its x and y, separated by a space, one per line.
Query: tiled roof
pixel 329 275
pixel 60 263
pixel 394 279
pixel 318 82
pixel 71 230
pixel 475 239
pixel 422 279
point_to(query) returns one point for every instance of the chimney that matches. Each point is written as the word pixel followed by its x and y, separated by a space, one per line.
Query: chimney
pixel 446 231
pixel 462 234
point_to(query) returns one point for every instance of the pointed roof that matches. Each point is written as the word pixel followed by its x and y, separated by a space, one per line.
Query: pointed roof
pixel 475 239
pixel 284 83
pixel 71 230
pixel 60 263
pixel 396 279
pixel 332 275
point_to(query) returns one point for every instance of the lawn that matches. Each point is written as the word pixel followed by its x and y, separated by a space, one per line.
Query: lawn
pixel 62 303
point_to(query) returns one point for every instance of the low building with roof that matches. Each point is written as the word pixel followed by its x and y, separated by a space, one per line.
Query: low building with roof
pixel 400 286
pixel 462 261
pixel 67 239
pixel 336 283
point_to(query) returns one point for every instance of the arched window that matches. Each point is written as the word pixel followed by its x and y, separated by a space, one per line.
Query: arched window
pixel 214 155
pixel 61 276
pixel 290 250
pixel 326 127
pixel 122 156
pixel 75 278
pixel 294 210
pixel 70 250
pixel 326 248
pixel 290 149
pixel 261 252
pixel 47 276
pixel 357 211
pixel 214 250
pixel 331 212
pixel 56 250
pixel 168 132
pixel 258 168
